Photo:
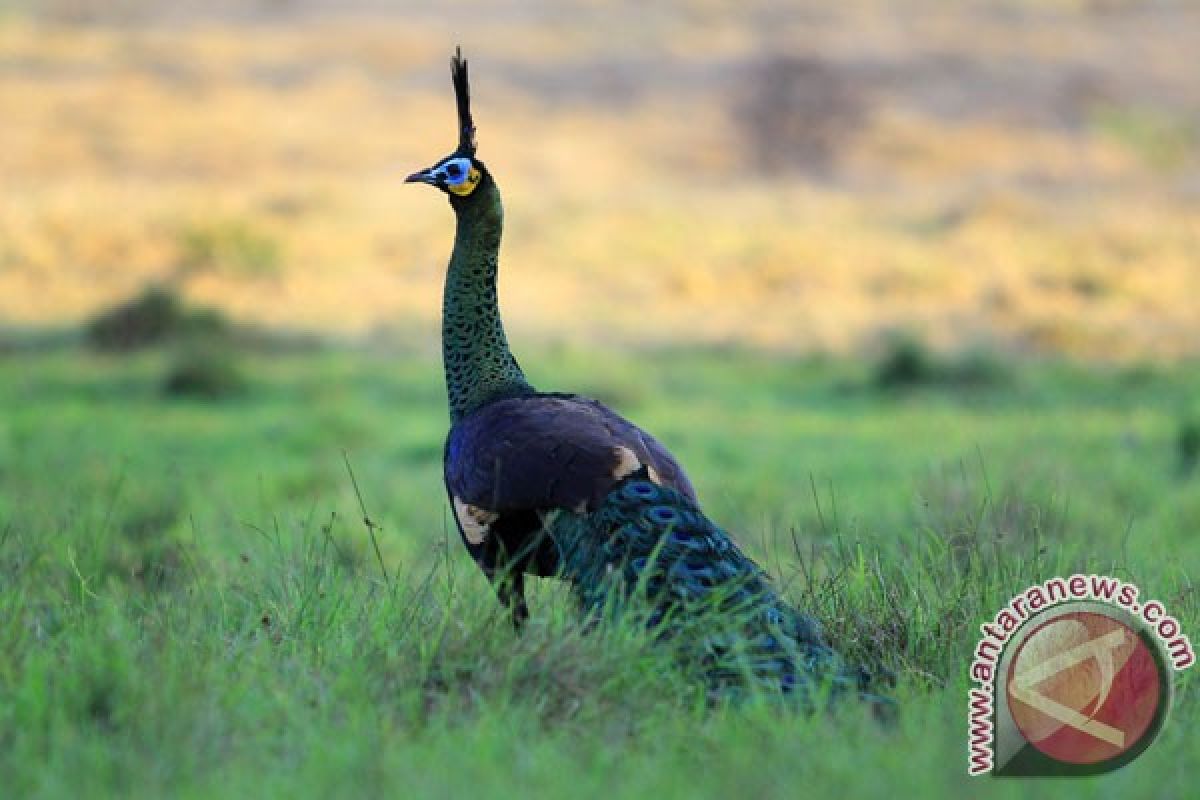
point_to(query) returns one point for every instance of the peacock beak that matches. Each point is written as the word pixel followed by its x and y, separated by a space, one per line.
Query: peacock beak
pixel 423 176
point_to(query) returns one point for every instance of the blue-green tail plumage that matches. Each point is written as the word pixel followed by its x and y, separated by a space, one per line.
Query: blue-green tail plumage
pixel 651 545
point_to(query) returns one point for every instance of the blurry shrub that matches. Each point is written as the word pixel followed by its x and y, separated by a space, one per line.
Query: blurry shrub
pixel 204 368
pixel 978 367
pixel 907 362
pixel 154 316
pixel 203 362
pixel 1188 444
pixel 229 246
pixel 1160 139
pixel 799 113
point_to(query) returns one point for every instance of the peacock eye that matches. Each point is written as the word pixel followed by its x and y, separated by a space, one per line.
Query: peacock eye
pixel 454 170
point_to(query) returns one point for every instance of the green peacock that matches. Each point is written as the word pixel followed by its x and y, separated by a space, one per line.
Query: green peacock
pixel 554 484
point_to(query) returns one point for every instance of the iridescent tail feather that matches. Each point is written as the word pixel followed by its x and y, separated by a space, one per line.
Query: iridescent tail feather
pixel 650 546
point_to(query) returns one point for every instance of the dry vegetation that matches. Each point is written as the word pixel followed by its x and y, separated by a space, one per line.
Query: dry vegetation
pixel 1021 175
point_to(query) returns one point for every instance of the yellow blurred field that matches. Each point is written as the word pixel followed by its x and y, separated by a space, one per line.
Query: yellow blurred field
pixel 1026 179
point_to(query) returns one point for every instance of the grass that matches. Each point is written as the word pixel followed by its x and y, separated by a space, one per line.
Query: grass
pixel 192 606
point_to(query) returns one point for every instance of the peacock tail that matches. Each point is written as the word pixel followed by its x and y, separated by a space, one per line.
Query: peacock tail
pixel 650 546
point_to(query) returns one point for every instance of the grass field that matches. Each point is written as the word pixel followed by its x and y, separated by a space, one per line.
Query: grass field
pixel 910 289
pixel 191 606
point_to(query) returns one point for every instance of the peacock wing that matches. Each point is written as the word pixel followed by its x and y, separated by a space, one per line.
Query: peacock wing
pixel 542 452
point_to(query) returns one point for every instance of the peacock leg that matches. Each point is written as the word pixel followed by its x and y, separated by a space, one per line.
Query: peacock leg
pixel 510 589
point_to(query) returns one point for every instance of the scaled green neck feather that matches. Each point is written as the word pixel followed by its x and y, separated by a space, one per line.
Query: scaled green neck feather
pixel 479 366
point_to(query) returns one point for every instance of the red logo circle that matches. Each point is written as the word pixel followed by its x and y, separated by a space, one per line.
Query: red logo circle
pixel 1084 688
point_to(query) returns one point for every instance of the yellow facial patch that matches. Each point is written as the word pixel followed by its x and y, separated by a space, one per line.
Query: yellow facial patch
pixel 468 184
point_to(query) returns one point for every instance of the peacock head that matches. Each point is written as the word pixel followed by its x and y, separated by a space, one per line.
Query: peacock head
pixel 460 173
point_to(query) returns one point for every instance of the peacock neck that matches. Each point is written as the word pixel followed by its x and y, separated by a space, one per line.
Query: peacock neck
pixel 479 366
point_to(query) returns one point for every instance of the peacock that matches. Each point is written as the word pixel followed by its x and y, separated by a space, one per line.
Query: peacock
pixel 556 484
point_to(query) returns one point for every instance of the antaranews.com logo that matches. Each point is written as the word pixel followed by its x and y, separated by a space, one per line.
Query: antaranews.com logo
pixel 1074 678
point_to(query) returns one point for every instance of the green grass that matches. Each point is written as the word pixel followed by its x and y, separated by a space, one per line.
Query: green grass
pixel 190 604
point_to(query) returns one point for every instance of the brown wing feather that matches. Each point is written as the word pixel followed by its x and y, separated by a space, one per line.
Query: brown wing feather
pixel 543 452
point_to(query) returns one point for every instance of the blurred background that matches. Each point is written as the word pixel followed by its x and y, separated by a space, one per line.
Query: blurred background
pixel 799 176
pixel 911 289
